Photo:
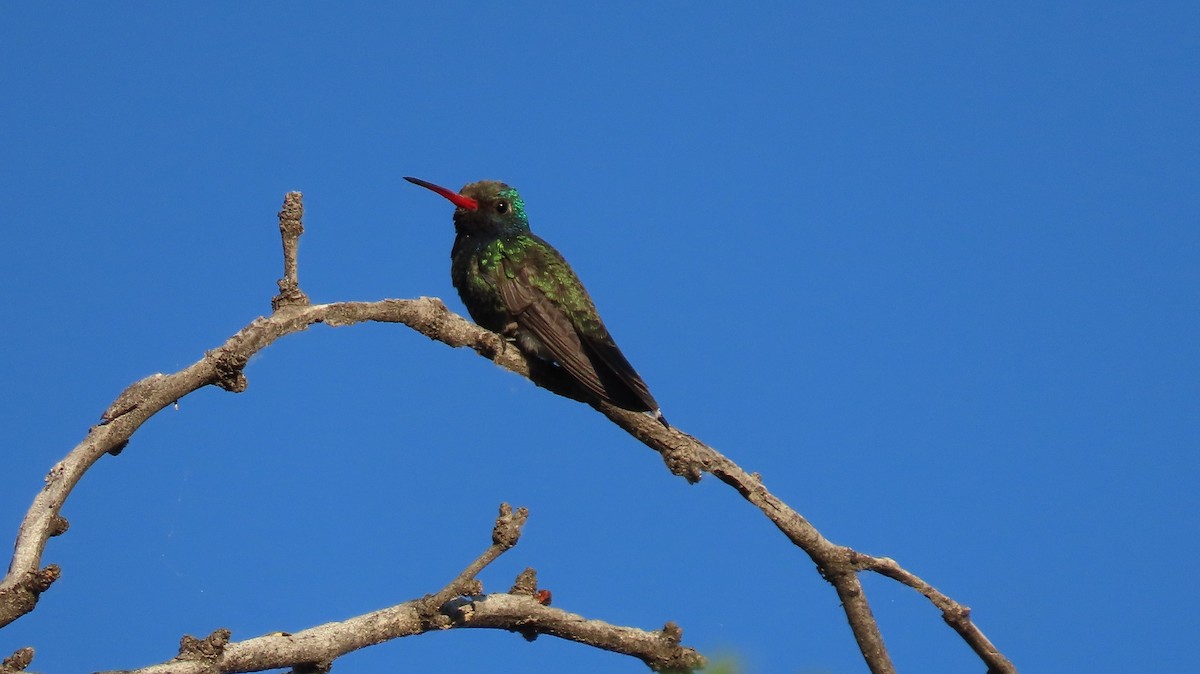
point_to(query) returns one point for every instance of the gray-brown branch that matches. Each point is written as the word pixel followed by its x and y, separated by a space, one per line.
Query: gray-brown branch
pixel 683 454
pixel 461 603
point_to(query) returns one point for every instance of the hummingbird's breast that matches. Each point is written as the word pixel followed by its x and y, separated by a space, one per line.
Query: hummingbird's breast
pixel 474 266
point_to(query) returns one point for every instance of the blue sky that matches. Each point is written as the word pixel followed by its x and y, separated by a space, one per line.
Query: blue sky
pixel 931 270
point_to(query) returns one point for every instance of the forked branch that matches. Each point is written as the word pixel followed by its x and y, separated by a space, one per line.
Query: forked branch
pixel 461 603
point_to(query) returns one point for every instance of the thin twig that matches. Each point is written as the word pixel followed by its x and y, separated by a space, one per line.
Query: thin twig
pixel 291 226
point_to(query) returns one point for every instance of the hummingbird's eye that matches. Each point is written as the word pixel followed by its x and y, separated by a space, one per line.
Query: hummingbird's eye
pixel 501 207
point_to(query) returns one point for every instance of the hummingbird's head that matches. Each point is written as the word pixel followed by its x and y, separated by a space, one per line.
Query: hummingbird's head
pixel 486 207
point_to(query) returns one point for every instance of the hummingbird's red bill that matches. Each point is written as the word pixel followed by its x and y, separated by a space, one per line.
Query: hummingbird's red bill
pixel 454 197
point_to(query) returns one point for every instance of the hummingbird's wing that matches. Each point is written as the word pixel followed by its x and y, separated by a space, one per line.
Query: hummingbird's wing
pixel 587 352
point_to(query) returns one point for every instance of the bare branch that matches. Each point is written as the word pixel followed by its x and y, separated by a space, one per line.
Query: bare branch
pixel 659 650
pixel 17 662
pixel 461 603
pixel 957 616
pixel 687 457
pixel 220 367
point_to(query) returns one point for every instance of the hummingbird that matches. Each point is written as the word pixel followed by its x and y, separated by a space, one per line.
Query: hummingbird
pixel 515 284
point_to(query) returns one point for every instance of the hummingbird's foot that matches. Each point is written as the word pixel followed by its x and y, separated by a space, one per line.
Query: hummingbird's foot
pixel 509 334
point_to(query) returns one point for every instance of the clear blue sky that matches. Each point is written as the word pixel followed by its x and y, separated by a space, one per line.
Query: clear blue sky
pixel 932 271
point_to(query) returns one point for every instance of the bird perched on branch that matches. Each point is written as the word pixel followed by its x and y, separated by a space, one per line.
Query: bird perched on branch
pixel 514 283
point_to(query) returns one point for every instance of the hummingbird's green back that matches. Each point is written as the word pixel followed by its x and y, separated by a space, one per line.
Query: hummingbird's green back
pixel 514 283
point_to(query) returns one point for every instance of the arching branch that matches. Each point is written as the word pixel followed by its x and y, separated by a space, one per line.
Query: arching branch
pixel 461 603
pixel 683 454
